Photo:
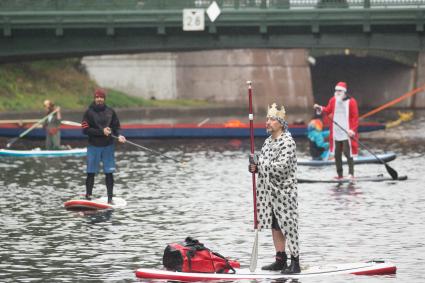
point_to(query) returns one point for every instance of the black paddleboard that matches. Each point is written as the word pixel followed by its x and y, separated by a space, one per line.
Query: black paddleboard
pixel 378 178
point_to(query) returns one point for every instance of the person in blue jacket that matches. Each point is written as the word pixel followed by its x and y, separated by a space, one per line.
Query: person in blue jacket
pixel 319 147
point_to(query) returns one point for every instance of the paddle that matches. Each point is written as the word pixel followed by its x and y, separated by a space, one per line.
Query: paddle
pixel 12 141
pixel 395 101
pixel 71 123
pixel 390 170
pixel 254 254
pixel 150 150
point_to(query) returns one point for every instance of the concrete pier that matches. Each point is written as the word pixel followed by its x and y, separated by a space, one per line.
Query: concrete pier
pixel 278 75
pixel 284 76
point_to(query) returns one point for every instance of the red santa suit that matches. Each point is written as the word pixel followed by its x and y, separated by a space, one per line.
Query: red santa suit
pixel 352 120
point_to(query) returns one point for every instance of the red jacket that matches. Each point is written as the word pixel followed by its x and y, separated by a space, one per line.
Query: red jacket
pixel 353 123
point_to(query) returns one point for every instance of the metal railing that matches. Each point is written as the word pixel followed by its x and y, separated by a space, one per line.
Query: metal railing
pixel 101 5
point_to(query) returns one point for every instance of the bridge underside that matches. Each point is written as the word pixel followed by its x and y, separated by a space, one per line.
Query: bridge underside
pixel 33 44
pixel 55 32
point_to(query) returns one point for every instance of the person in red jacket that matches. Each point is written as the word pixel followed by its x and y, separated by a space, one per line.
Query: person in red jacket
pixel 343 111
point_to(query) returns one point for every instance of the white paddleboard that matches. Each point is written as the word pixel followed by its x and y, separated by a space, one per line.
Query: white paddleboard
pixel 43 153
pixel 95 204
pixel 360 268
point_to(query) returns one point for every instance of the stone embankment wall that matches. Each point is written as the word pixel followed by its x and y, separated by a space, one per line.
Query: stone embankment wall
pixel 281 76
pixel 143 75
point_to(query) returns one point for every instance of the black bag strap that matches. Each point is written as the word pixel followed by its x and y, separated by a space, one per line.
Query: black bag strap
pixel 190 242
pixel 194 245
pixel 228 266
pixel 189 254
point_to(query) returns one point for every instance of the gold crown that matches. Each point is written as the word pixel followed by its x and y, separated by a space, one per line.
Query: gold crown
pixel 273 112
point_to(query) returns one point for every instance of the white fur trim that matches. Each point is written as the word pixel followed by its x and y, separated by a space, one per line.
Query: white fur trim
pixel 340 88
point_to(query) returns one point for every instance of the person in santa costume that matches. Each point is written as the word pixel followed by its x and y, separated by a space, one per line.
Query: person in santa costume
pixel 343 111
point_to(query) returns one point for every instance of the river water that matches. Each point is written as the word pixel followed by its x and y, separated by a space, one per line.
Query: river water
pixel 209 198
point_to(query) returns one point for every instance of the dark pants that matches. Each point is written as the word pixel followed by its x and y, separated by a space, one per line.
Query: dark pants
pixel 53 142
pixel 109 180
pixel 275 225
pixel 343 146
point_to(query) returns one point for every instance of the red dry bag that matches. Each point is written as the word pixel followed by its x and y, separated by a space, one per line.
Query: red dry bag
pixel 193 256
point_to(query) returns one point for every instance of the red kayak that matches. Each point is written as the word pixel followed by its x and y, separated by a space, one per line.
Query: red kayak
pixel 230 129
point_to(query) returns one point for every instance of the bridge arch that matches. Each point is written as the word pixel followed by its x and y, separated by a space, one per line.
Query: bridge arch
pixel 374 77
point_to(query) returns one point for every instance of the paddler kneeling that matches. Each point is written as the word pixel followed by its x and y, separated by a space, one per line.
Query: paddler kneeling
pixel 319 147
pixel 277 194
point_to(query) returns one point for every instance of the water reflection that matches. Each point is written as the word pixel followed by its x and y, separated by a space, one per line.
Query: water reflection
pixel 342 189
pixel 283 280
pixel 209 198
pixel 94 216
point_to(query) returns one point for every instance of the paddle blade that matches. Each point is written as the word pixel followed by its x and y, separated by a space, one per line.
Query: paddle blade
pixel 392 172
pixel 254 254
pixel 71 123
pixel 12 141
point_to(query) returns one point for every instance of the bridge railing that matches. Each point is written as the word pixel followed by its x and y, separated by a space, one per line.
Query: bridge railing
pixel 78 5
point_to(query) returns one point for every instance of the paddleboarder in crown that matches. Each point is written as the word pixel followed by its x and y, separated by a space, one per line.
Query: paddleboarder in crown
pixel 343 111
pixel 101 124
pixel 277 193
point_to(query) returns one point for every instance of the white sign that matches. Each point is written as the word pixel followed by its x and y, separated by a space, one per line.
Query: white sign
pixel 213 11
pixel 193 19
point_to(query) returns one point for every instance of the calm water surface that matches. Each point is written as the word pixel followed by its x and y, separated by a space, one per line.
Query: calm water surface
pixel 211 199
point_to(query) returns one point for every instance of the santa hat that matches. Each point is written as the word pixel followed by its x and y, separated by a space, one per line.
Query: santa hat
pixel 100 92
pixel 341 86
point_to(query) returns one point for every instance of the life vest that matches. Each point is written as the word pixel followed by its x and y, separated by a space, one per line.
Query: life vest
pixel 193 256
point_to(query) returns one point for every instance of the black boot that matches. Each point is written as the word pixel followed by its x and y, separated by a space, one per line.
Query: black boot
pixel 279 264
pixel 109 180
pixel 294 267
pixel 89 185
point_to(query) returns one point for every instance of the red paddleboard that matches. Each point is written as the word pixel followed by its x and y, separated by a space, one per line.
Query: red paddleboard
pixel 360 268
pixel 96 204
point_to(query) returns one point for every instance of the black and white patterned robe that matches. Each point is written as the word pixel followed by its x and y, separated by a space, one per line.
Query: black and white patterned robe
pixel 277 188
